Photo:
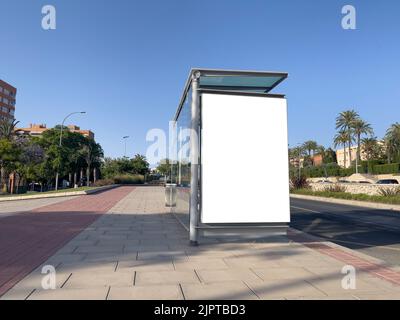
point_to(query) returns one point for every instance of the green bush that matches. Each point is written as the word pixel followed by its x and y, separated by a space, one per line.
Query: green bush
pixel 386 168
pixel 299 182
pixel 129 179
pixel 389 192
pixel 103 182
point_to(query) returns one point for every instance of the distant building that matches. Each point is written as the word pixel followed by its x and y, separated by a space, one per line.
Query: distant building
pixel 317 160
pixel 7 101
pixel 36 130
pixel 340 156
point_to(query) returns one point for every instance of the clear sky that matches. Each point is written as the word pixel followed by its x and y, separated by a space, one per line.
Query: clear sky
pixel 125 62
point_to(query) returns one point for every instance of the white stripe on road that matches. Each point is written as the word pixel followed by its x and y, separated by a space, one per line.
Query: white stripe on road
pixel 305 209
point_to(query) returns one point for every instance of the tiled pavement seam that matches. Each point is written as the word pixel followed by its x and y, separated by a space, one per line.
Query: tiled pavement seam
pixel 28 239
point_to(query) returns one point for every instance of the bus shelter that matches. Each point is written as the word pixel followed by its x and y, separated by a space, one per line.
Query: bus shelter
pixel 230 169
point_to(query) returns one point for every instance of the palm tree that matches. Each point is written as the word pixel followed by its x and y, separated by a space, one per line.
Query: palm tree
pixel 370 147
pixel 92 153
pixel 341 139
pixel 360 127
pixel 392 141
pixel 310 146
pixel 344 122
pixel 7 129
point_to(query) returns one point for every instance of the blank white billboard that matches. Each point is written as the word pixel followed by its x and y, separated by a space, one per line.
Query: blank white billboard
pixel 244 156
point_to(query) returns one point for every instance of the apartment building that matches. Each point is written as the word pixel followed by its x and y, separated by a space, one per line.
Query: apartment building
pixel 36 130
pixel 7 101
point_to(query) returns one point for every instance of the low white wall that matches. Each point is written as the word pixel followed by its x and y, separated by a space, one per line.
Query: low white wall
pixel 355 188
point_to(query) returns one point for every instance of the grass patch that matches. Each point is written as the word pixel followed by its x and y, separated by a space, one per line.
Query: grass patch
pixel 393 199
pixel 31 193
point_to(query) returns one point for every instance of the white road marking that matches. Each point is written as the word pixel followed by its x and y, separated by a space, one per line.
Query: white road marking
pixel 305 209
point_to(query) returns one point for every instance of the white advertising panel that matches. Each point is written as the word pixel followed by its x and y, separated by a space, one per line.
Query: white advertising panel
pixel 244 155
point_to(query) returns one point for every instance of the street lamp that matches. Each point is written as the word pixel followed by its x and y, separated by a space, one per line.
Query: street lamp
pixel 125 137
pixel 299 146
pixel 61 133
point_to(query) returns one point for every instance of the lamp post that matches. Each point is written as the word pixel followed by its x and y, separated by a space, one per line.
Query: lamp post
pixel 356 160
pixel 60 142
pixel 125 137
pixel 299 147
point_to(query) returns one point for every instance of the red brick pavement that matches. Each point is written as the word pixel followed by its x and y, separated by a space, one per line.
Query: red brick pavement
pixel 346 257
pixel 29 239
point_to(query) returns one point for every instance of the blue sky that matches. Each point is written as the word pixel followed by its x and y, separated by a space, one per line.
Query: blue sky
pixel 126 62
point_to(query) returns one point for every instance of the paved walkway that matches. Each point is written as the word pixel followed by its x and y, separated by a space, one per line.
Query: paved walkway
pixel 28 239
pixel 8 208
pixel 138 251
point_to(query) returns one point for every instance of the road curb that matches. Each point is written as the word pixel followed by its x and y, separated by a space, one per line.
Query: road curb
pixel 357 203
pixel 60 194
pixel 371 265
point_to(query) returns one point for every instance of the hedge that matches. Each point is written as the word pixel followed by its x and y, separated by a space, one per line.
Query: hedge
pixel 129 179
pixel 395 199
pixel 386 168
pixel 333 170
pixel 329 170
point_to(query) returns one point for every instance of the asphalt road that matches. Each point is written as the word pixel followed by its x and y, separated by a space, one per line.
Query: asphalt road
pixel 370 231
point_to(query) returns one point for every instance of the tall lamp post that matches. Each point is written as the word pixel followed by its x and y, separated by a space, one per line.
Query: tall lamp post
pixel 125 137
pixel 60 142
pixel 299 146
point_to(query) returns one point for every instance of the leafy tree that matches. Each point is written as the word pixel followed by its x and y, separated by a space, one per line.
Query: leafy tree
pixel 110 168
pixel 164 167
pixel 329 156
pixel 8 151
pixel 31 155
pixel 140 165
pixel 9 154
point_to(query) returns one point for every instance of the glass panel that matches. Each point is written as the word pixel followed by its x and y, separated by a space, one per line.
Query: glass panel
pixel 252 83
pixel 181 169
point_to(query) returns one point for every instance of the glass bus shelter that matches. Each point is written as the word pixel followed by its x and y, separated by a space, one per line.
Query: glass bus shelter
pixel 229 170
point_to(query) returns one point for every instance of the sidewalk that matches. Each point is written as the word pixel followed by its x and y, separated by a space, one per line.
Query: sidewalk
pixel 139 251
pixel 27 239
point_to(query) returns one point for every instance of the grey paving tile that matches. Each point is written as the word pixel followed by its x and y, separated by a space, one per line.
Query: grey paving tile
pixel 100 279
pixel 212 276
pixel 165 277
pixel 159 292
pixel 71 294
pixel 218 291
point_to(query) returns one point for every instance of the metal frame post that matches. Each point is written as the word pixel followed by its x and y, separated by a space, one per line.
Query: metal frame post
pixel 194 160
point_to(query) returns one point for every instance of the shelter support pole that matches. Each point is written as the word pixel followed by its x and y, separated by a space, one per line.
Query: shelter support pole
pixel 194 160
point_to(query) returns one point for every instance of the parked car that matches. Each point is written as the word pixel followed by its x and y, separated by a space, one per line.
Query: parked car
pixel 344 181
pixel 387 181
pixel 364 182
